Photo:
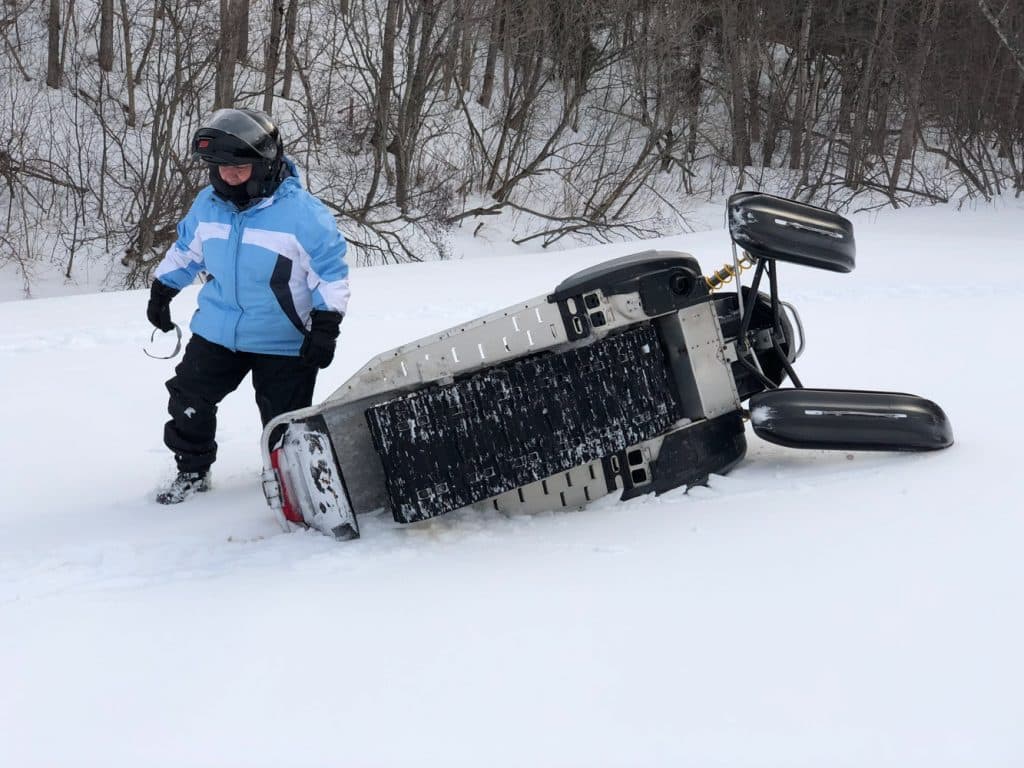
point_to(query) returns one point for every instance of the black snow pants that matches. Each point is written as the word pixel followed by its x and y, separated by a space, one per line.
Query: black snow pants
pixel 206 375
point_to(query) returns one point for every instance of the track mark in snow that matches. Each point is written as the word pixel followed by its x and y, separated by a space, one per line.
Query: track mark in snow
pixel 85 340
pixel 110 566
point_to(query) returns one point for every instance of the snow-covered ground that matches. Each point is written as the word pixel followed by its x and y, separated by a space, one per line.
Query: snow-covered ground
pixel 809 609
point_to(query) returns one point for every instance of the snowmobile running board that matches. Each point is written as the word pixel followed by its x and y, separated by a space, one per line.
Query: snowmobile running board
pixel 629 378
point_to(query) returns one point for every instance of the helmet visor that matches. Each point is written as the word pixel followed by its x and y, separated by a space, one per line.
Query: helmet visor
pixel 236 137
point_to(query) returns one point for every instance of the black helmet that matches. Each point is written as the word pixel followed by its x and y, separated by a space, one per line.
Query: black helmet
pixel 237 137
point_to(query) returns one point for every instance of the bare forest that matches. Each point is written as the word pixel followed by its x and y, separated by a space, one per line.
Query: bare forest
pixel 584 119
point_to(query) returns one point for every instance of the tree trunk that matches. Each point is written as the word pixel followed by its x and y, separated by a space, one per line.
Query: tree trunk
pixel 467 49
pixel 422 67
pixel 53 68
pixel 382 99
pixel 158 14
pixel 106 50
pixel 810 115
pixel 734 52
pixel 694 89
pixel 224 88
pixel 803 63
pixel 926 33
pixel 273 54
pixel 242 30
pixel 1006 137
pixel 493 42
pixel 881 91
pixel 754 91
pixel 128 77
pixel 289 48
pixel 862 101
pixel 882 98
pixel 741 138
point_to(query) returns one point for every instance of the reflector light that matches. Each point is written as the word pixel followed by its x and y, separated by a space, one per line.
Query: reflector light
pixel 288 507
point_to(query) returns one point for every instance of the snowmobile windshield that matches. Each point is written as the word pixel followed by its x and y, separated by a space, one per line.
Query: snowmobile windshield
pixel 236 137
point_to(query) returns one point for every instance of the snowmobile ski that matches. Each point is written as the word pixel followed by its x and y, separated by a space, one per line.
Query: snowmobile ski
pixel 844 419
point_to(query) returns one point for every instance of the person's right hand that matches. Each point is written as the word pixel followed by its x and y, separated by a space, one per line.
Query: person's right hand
pixel 159 308
pixel 318 346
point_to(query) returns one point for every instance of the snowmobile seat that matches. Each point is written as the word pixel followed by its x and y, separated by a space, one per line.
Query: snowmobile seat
pixel 770 227
pixel 664 280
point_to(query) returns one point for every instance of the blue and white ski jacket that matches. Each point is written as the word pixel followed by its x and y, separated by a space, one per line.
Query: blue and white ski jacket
pixel 269 266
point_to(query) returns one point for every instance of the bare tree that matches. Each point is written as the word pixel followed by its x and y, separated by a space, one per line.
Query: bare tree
pixel 803 67
pixel 862 103
pixel 493 44
pixel 583 118
pixel 128 77
pixel 926 32
pixel 734 55
pixel 1011 42
pixel 106 47
pixel 53 64
pixel 242 16
pixel 224 94
pixel 273 54
pixel 289 47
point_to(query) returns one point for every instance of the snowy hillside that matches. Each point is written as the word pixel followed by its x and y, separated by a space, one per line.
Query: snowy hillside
pixel 809 609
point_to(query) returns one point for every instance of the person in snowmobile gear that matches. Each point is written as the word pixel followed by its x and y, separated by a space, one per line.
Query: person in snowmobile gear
pixel 275 295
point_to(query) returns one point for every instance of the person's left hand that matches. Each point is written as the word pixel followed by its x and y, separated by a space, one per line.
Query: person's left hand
pixel 318 348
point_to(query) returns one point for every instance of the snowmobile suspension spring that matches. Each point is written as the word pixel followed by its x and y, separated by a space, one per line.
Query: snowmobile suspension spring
pixel 727 272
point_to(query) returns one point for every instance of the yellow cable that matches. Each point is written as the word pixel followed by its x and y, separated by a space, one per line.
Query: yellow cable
pixel 727 272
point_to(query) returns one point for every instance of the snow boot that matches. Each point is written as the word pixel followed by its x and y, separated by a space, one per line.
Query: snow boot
pixel 184 485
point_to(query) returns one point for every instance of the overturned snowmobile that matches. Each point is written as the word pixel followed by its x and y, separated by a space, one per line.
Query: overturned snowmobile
pixel 630 378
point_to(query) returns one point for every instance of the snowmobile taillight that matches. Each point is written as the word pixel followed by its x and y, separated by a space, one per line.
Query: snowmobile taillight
pixel 288 507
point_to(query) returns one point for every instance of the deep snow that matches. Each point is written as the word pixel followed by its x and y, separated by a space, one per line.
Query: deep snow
pixel 809 609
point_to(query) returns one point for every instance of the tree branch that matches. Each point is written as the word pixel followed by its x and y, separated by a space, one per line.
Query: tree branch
pixel 1015 46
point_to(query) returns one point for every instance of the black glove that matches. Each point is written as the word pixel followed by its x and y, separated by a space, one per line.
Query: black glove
pixel 159 308
pixel 318 348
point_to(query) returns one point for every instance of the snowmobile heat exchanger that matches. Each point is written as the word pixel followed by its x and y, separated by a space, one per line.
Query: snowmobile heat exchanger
pixel 629 378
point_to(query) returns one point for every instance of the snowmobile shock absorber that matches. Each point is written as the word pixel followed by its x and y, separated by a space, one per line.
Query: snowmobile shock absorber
pixel 727 272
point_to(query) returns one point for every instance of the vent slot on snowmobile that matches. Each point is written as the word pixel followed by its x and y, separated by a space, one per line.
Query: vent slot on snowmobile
pixel 770 227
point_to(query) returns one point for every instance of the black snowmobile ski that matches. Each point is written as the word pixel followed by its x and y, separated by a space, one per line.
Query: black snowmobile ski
pixel 848 420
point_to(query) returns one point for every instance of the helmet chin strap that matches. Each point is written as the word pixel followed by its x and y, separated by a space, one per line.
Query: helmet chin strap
pixel 254 186
pixel 272 176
